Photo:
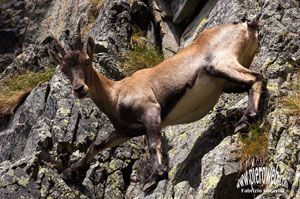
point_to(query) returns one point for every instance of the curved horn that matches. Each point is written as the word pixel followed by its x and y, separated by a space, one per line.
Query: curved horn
pixel 59 47
pixel 78 43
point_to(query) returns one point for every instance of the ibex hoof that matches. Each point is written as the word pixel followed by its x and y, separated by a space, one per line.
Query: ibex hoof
pixel 240 126
pixel 152 181
pixel 252 114
pixel 150 185
pixel 68 174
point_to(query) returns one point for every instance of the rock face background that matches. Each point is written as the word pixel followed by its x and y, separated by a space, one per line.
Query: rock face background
pixel 52 129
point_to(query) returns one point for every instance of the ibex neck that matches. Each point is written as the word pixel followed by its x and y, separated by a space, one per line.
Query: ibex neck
pixel 101 91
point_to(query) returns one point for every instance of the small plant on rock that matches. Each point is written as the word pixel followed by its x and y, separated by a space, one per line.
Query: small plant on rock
pixel 291 102
pixel 254 148
pixel 141 55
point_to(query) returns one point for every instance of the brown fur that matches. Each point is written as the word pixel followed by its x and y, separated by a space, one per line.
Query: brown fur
pixel 9 105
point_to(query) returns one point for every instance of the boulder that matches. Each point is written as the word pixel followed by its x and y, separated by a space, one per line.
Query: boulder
pixel 169 34
pixel 184 10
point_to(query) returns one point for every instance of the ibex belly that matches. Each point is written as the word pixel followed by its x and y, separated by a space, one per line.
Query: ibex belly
pixel 196 102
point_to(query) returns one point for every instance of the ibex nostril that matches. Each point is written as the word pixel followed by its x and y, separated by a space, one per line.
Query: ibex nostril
pixel 79 89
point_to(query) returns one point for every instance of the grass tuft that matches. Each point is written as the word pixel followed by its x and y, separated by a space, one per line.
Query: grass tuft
pixel 254 150
pixel 291 102
pixel 14 90
pixel 24 81
pixel 141 55
pixel 292 105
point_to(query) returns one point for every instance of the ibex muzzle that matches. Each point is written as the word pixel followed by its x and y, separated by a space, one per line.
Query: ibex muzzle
pixel 181 89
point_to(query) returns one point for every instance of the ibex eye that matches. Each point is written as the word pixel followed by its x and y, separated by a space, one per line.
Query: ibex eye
pixel 64 71
pixel 88 60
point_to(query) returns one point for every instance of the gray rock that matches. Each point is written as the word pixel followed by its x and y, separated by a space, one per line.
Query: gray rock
pixel 183 10
pixel 168 32
pixel 191 31
pixel 140 13
pixel 14 137
pixel 272 61
pixel 12 31
pixel 111 30
pixel 170 39
pixel 220 169
pixel 33 58
pixel 54 15
pixel 107 65
pixel 52 129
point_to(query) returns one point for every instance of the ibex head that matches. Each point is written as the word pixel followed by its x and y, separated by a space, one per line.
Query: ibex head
pixel 76 64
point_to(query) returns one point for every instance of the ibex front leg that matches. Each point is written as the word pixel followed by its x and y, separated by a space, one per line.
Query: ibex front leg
pixel 251 80
pixel 152 122
pixel 111 140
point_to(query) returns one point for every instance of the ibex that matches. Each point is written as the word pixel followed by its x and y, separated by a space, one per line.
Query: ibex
pixel 181 89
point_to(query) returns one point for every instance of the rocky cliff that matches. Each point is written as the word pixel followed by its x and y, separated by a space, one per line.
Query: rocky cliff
pixel 52 129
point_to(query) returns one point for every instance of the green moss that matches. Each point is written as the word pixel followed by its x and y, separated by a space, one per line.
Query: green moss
pixel 114 165
pixel 56 128
pixel 269 61
pixel 65 111
pixel 92 135
pixel 65 123
pixel 172 172
pixel 23 181
pixel 203 20
pixel 272 87
pixel 210 183
pixel 182 137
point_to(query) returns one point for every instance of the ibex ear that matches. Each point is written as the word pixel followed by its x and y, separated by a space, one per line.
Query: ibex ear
pixel 90 47
pixel 56 58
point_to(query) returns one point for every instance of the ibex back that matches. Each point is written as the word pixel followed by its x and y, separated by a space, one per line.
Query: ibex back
pixel 181 89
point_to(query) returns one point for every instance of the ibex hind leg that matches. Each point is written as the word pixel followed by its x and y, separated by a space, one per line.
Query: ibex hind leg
pixel 250 81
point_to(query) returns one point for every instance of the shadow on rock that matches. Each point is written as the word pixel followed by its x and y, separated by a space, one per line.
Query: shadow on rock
pixel 190 169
